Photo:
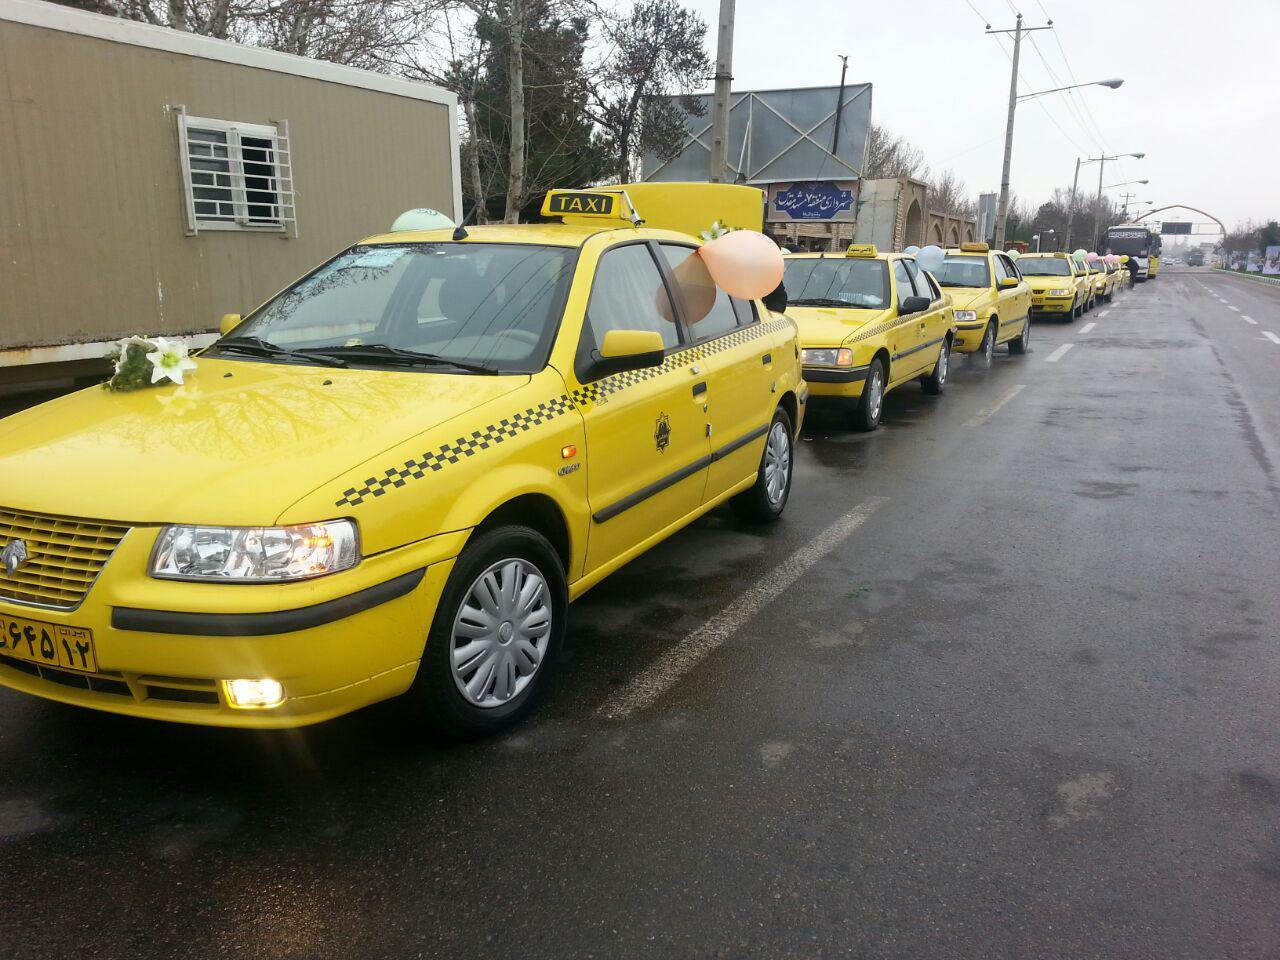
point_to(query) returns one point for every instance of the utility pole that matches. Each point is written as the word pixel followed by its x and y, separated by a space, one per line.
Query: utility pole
pixel 724 83
pixel 1002 211
pixel 1097 206
pixel 1127 197
pixel 835 137
pixel 1071 209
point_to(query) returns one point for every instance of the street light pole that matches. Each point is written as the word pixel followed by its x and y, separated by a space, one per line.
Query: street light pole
pixel 1071 208
pixel 724 83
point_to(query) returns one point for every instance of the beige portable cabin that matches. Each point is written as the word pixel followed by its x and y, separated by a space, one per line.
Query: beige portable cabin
pixel 152 180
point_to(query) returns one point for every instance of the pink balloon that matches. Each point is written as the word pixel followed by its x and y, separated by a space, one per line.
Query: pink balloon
pixel 1092 258
pixel 744 264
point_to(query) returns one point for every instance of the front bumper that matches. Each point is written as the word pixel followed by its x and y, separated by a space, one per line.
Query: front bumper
pixel 836 381
pixel 968 336
pixel 1051 305
pixel 164 648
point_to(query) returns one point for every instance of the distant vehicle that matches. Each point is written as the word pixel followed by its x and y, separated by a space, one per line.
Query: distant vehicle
pixel 992 301
pixel 1195 260
pixel 1058 284
pixel 1140 243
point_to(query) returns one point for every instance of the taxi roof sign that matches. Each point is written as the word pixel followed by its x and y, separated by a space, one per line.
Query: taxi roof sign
pixel 590 205
pixel 975 246
pixel 862 250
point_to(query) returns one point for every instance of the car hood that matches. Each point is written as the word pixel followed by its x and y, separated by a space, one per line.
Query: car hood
pixel 964 298
pixel 236 445
pixel 1050 283
pixel 832 326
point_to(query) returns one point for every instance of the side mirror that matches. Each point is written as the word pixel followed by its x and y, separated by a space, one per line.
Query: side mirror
pixel 628 350
pixel 229 322
pixel 915 305
pixel 1008 283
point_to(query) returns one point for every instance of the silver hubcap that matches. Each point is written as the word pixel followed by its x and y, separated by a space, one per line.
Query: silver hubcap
pixel 777 463
pixel 876 386
pixel 988 344
pixel 501 633
pixel 943 359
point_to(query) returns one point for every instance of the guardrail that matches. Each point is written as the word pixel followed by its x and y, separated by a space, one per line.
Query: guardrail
pixel 1275 281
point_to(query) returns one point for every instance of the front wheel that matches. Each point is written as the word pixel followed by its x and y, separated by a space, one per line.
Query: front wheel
pixel 987 348
pixel 936 382
pixel 866 415
pixel 767 497
pixel 496 634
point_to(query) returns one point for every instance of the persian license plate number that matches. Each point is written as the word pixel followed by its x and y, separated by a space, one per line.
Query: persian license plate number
pixel 46 643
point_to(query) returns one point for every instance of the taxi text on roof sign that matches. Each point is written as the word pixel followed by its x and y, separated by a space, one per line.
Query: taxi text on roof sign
pixel 974 246
pixel 861 250
pixel 583 203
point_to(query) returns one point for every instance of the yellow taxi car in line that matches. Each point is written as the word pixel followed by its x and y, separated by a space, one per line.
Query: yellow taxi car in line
pixel 1106 279
pixel 395 475
pixel 992 302
pixel 869 322
pixel 1058 284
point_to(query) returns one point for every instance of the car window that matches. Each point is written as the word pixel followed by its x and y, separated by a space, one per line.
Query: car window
pixel 902 280
pixel 837 282
pixel 496 304
pixel 628 293
pixel 707 308
pixel 934 293
pixel 997 264
pixel 1010 268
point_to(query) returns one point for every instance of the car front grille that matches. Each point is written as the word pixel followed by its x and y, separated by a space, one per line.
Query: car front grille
pixel 64 557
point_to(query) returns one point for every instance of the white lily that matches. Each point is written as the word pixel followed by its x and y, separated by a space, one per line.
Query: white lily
pixel 169 360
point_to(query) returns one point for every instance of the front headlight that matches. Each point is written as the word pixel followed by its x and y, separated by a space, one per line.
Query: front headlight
pixel 255 554
pixel 827 357
pixel 1059 293
pixel 966 316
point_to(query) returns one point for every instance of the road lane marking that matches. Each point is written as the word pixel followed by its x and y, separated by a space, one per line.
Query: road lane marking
pixel 1101 314
pixel 1059 353
pixel 647 687
pixel 982 416
pixel 1250 320
pixel 1271 336
pixel 1230 307
pixel 1087 327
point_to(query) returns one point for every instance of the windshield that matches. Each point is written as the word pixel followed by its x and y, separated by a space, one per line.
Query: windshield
pixel 1130 240
pixel 963 272
pixel 837 282
pixel 487 305
pixel 1044 267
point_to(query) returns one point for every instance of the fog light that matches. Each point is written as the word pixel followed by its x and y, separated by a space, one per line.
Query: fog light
pixel 254 694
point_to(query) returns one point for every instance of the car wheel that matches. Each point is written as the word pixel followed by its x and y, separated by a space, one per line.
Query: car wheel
pixel 1077 310
pixel 496 634
pixel 987 348
pixel 936 381
pixel 767 498
pixel 866 415
pixel 1019 343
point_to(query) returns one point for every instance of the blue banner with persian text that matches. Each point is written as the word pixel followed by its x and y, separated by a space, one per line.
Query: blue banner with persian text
pixel 813 200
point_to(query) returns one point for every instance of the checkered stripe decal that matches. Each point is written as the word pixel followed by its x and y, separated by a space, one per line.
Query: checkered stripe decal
pixel 496 433
pixel 878 329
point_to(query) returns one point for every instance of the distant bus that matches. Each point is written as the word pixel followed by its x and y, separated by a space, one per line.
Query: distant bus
pixel 1195 259
pixel 1140 243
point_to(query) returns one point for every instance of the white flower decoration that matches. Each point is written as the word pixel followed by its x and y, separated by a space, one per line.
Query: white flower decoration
pixel 169 360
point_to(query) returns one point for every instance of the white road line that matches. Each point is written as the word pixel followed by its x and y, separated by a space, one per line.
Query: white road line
pixel 1101 314
pixel 648 686
pixel 1059 353
pixel 1087 327
pixel 1250 320
pixel 1271 336
pixel 985 414
pixel 1230 307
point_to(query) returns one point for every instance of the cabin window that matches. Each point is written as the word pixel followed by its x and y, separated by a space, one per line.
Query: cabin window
pixel 236 176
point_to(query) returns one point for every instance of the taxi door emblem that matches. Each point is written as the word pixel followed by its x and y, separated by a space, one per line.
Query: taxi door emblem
pixel 13 556
pixel 662 432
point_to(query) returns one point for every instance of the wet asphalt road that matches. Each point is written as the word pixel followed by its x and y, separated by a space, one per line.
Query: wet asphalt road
pixel 1028 708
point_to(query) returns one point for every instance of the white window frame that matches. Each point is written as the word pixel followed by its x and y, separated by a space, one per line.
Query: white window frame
pixel 286 222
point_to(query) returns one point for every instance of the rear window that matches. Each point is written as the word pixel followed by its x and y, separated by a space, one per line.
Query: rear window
pixel 837 282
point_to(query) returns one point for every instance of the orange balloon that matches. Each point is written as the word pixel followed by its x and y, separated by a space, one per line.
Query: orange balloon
pixel 744 264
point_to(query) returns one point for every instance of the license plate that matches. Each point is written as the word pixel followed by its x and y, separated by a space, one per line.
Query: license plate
pixel 46 643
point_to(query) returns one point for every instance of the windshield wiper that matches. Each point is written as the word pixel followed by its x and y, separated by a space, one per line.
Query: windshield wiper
pixel 383 351
pixel 820 302
pixel 257 347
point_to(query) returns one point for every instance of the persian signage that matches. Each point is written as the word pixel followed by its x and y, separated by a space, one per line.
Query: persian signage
pixel 823 201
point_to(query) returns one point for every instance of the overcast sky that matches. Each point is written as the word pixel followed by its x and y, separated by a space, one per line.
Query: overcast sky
pixel 1201 95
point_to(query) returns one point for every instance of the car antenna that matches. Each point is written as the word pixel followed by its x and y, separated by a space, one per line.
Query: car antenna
pixel 460 233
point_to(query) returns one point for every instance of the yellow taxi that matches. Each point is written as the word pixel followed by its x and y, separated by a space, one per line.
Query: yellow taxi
pixel 1106 279
pixel 869 322
pixel 992 302
pixel 394 476
pixel 1058 284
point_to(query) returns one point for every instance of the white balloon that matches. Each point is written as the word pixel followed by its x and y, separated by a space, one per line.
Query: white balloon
pixel 912 250
pixel 930 258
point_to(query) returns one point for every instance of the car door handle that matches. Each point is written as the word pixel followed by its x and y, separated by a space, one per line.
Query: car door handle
pixel 700 388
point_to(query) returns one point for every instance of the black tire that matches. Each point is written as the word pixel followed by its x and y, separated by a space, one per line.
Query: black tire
pixel 1077 310
pixel 866 415
pixel 936 381
pixel 435 695
pixel 987 348
pixel 1019 344
pixel 757 505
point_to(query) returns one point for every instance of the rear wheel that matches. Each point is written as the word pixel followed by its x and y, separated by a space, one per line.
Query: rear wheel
pixel 1019 343
pixel 767 498
pixel 936 381
pixel 496 635
pixel 866 415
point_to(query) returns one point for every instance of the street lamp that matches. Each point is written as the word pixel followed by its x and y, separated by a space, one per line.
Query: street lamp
pixel 1113 84
pixel 1112 186
pixel 1075 181
pixel 1036 238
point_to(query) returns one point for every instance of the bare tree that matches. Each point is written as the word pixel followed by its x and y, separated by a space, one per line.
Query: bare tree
pixel 889 155
pixel 949 195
